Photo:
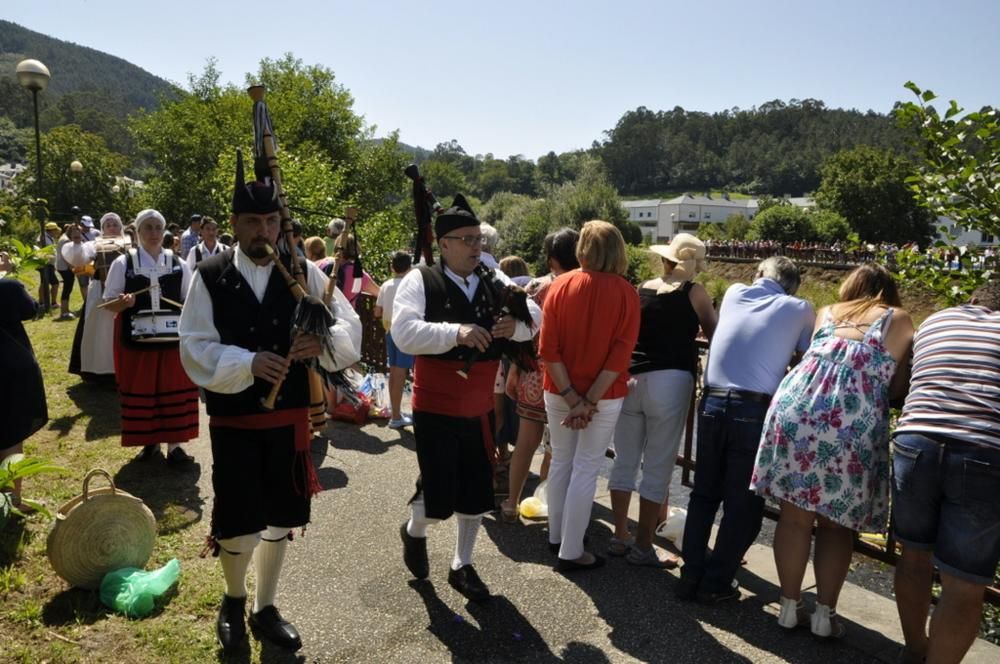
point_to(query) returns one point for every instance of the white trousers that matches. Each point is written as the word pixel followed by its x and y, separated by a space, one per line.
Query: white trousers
pixel 577 458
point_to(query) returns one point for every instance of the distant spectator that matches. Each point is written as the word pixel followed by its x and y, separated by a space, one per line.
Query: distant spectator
pixel 586 367
pixel 351 281
pixel 209 245
pixel 491 240
pixel 333 231
pixel 946 466
pixel 65 271
pixel 830 417
pixel 515 268
pixel 191 236
pixel 316 250
pixel 47 274
pixel 560 253
pixel 399 362
pixel 762 327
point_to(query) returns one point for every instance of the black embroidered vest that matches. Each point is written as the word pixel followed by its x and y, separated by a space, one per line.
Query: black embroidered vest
pixel 170 286
pixel 446 303
pixel 256 326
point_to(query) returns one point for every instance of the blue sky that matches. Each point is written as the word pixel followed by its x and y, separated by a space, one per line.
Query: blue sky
pixel 527 77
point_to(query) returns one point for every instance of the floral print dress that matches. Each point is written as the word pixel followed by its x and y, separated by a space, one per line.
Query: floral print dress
pixel 825 446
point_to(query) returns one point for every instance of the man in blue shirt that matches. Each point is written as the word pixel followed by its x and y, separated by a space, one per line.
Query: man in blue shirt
pixel 191 236
pixel 762 328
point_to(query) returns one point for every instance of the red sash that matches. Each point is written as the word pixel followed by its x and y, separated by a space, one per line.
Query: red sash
pixel 438 389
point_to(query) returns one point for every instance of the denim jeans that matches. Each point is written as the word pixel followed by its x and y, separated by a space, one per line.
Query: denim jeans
pixel 729 431
pixel 944 499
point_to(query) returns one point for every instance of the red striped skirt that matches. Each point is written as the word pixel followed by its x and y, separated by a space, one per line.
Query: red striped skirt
pixel 159 402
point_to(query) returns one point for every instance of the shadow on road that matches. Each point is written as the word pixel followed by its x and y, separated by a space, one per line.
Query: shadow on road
pixel 171 493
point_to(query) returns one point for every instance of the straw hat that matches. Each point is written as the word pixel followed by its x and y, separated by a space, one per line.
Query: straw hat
pixel 98 532
pixel 688 255
pixel 53 226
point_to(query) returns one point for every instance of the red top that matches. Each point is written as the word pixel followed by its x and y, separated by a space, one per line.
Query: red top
pixel 590 323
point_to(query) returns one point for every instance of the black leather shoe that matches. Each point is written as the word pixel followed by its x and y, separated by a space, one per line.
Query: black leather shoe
pixel 148 453
pixel 230 626
pixel 415 554
pixel 178 457
pixel 467 582
pixel 268 624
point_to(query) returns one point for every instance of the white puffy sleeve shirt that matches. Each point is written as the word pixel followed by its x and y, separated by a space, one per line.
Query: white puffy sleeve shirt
pixel 226 369
pixel 416 336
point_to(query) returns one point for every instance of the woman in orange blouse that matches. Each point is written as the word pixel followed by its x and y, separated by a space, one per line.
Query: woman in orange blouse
pixel 590 326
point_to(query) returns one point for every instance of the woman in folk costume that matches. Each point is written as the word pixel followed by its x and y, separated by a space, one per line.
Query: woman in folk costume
pixel 146 287
pixel 234 343
pixel 93 346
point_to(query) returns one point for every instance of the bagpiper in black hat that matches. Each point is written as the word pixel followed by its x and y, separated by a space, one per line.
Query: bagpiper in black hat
pixel 257 197
pixel 459 215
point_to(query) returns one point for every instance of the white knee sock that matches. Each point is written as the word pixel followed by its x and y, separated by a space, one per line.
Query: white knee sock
pixel 270 556
pixel 468 528
pixel 417 525
pixel 235 554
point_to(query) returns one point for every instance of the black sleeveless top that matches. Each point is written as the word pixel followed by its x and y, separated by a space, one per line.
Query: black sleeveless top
pixel 667 330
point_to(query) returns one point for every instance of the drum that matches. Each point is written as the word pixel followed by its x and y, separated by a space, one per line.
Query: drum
pixel 150 326
pixel 107 250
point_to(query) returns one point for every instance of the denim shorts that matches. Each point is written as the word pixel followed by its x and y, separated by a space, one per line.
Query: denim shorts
pixel 396 357
pixel 946 499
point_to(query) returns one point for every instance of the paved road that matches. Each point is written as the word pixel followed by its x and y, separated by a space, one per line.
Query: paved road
pixel 346 588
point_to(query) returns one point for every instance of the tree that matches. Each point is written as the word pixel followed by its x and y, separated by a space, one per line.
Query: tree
pixel 14 142
pixel 867 186
pixel 958 173
pixel 736 227
pixel 829 226
pixel 782 223
pixel 89 189
pixel 444 178
pixel 319 136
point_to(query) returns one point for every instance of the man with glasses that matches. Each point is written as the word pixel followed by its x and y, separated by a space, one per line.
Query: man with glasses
pixel 441 315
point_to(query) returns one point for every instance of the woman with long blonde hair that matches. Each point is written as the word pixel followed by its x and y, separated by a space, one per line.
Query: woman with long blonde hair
pixel 824 453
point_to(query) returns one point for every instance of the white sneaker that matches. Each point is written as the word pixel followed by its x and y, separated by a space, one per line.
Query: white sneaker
pixel 826 624
pixel 793 613
pixel 404 421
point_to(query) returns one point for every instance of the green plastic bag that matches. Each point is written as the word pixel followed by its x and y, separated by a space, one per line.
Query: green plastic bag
pixel 133 591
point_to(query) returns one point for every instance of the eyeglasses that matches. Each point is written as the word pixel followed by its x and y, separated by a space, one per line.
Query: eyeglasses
pixel 467 240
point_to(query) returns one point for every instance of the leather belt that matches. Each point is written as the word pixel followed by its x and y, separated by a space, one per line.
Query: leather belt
pixel 743 395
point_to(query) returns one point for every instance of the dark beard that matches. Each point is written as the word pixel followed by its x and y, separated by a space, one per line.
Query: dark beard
pixel 257 251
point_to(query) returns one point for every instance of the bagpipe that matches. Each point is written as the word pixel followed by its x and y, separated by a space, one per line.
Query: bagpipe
pixel 425 206
pixel 505 299
pixel 312 316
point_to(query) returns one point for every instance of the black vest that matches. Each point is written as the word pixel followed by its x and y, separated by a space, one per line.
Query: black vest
pixel 447 303
pixel 199 257
pixel 170 286
pixel 256 326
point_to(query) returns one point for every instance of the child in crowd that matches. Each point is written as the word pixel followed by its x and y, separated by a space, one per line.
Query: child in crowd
pixel 399 362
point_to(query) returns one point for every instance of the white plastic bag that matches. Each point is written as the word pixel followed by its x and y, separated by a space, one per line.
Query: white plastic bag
pixel 673 528
pixel 537 506
pixel 376 388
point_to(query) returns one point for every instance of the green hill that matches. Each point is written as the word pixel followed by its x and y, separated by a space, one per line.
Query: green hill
pixel 92 89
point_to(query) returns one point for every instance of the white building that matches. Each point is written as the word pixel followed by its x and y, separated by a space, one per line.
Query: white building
pixel 662 219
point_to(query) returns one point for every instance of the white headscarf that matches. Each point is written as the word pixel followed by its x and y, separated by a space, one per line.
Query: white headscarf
pixel 148 215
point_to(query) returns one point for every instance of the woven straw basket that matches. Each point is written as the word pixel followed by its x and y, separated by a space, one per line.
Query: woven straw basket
pixel 100 531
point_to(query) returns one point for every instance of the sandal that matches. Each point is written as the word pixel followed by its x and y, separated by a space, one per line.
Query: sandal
pixel 507 513
pixel 650 558
pixel 619 547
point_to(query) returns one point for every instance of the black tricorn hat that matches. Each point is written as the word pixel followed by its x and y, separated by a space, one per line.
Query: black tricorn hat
pixel 459 215
pixel 259 196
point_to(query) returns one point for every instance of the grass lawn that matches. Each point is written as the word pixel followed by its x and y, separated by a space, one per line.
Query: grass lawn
pixel 41 618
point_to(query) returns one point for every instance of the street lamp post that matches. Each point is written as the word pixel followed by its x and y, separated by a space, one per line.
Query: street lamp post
pixel 34 75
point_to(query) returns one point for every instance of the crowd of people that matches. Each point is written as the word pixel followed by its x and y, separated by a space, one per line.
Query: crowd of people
pixel 794 408
pixel 842 253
